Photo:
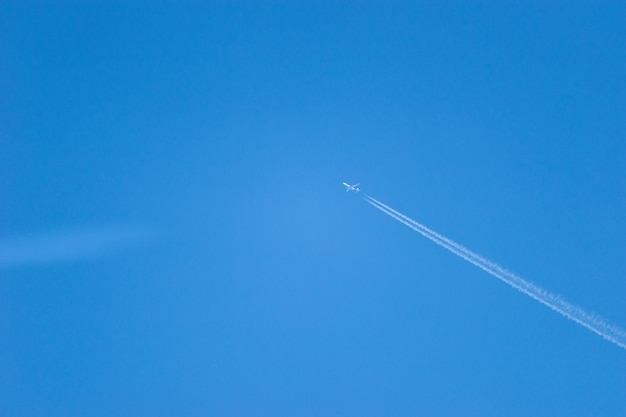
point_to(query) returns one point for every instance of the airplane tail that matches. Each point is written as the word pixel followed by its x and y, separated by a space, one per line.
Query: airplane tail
pixel 349 187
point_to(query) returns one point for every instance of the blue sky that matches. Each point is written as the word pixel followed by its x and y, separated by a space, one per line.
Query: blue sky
pixel 176 240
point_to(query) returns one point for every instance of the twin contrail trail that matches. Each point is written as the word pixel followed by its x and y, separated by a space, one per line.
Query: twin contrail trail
pixel 586 319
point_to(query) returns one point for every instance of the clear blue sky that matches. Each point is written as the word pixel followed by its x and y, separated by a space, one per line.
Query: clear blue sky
pixel 176 240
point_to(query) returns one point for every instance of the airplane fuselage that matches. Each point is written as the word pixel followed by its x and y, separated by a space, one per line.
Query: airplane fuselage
pixel 354 187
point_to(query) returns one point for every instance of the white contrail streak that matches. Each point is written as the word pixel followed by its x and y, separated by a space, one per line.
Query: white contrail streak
pixel 69 245
pixel 588 320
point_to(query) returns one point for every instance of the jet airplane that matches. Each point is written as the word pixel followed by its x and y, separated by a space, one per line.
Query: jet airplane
pixel 354 187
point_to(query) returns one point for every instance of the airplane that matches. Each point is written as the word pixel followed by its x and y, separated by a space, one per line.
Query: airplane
pixel 354 187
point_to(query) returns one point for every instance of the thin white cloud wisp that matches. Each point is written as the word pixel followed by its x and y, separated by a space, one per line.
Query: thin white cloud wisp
pixel 68 246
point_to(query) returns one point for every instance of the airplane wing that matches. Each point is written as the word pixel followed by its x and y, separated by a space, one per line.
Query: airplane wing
pixel 349 187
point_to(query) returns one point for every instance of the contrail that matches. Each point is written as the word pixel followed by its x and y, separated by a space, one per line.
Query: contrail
pixel 69 245
pixel 586 319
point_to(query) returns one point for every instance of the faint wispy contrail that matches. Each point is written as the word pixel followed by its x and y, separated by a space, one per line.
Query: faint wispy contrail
pixel 65 246
pixel 586 319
